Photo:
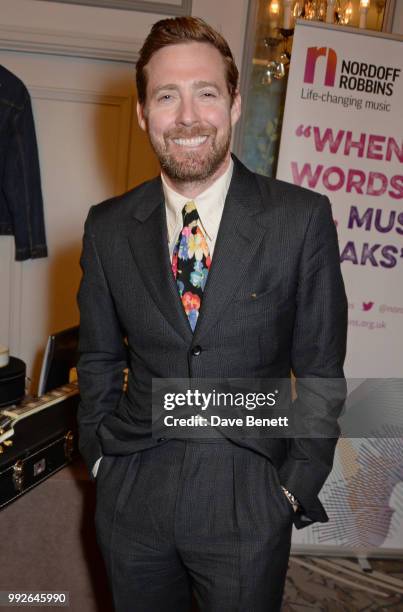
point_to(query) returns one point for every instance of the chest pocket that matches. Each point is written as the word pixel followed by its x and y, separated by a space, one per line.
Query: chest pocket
pixel 252 303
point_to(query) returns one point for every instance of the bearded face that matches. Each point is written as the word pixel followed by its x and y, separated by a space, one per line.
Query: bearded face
pixel 192 155
pixel 188 114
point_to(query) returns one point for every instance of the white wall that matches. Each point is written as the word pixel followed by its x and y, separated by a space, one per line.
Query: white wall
pixel 397 27
pixel 90 147
pixel 83 115
pixel 74 18
pixel 228 16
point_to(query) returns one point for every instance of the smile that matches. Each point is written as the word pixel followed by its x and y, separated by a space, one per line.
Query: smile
pixel 190 142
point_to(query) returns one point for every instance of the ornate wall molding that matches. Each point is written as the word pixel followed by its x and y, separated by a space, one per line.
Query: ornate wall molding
pixel 72 44
pixel 123 105
pixel 162 8
pixel 76 95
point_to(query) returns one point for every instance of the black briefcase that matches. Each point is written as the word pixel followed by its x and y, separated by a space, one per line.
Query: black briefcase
pixel 37 438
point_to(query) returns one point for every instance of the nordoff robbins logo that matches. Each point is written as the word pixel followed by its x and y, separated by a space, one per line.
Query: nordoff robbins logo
pixel 355 75
pixel 312 56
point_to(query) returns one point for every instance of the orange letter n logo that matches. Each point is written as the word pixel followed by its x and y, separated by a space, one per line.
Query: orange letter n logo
pixel 312 54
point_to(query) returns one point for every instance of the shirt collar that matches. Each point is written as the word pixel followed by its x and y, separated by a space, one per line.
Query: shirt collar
pixel 209 204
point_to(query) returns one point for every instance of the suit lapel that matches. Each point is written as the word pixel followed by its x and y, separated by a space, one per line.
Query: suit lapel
pixel 149 245
pixel 239 236
pixel 240 233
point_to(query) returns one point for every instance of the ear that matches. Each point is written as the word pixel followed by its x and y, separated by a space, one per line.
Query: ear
pixel 236 108
pixel 141 116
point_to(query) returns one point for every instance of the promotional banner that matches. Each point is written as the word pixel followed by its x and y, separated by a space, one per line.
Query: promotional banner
pixel 342 137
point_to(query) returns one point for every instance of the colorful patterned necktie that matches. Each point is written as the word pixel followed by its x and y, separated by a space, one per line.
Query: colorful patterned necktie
pixel 190 263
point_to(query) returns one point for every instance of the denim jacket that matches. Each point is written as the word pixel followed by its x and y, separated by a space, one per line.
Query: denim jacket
pixel 21 205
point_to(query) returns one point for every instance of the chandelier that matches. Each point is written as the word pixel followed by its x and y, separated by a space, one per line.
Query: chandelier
pixel 283 14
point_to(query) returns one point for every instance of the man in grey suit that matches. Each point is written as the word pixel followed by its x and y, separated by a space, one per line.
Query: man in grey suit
pixel 208 271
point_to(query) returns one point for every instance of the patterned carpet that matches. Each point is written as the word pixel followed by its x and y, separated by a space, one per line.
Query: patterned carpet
pixel 339 585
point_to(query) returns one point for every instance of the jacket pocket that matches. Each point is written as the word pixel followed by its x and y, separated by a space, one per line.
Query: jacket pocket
pixel 253 303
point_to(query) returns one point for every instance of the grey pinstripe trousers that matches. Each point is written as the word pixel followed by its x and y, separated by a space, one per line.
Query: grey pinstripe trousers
pixel 204 516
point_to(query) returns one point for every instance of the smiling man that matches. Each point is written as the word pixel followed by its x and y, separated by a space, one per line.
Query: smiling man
pixel 207 271
pixel 196 151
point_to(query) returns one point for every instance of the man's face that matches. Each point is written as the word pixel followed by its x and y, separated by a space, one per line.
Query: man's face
pixel 188 113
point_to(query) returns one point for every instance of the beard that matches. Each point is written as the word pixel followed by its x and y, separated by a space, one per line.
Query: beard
pixel 192 166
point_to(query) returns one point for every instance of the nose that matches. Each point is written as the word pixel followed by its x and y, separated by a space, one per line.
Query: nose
pixel 187 111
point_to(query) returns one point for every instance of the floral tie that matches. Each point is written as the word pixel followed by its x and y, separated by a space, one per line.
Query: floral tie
pixel 190 263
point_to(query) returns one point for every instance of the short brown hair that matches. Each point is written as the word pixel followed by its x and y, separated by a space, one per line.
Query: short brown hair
pixel 181 30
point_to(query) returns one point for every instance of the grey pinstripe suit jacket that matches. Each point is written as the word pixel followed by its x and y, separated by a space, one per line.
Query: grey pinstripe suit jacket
pixel 277 241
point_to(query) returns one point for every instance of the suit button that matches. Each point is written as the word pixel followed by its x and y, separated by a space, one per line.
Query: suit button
pixel 196 350
pixel 160 439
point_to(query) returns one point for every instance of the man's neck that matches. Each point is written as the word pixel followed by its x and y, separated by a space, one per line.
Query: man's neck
pixel 192 189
